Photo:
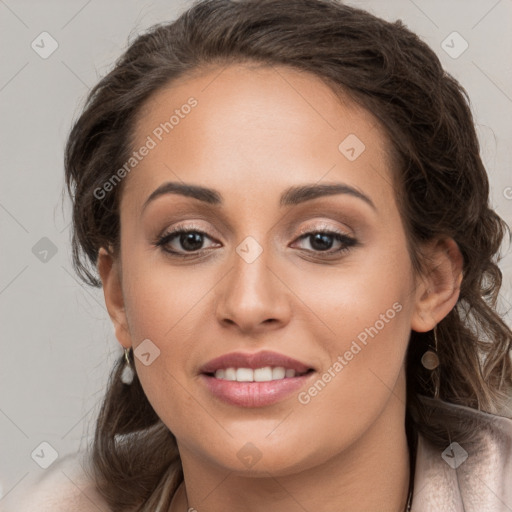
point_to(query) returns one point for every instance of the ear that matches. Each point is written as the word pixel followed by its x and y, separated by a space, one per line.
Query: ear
pixel 110 273
pixel 437 290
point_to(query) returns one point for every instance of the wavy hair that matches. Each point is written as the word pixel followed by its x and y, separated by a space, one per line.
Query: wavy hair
pixel 441 186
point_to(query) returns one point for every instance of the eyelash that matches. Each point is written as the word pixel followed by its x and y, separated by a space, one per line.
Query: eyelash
pixel 344 239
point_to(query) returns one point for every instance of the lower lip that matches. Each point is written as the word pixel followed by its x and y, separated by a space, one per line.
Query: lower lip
pixel 254 394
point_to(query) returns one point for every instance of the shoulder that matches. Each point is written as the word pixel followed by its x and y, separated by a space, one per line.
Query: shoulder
pixel 473 474
pixel 64 487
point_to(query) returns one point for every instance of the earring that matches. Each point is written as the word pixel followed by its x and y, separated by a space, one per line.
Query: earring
pixel 127 373
pixel 430 359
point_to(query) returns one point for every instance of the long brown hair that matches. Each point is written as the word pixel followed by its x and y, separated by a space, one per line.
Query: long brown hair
pixel 441 186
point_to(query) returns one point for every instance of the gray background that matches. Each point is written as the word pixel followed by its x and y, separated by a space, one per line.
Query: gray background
pixel 58 343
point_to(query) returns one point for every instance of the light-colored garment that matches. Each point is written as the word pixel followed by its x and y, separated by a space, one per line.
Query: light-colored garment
pixel 63 487
pixel 482 482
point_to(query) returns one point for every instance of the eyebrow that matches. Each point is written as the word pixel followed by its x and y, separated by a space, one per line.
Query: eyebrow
pixel 290 197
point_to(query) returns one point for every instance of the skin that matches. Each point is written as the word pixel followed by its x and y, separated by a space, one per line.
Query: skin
pixel 255 132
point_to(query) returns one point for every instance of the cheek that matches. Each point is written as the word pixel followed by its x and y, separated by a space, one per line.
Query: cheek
pixel 364 372
pixel 368 294
pixel 160 297
pixel 165 308
pixel 365 310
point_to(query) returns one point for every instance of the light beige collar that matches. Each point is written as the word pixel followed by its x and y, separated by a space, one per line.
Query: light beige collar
pixel 446 481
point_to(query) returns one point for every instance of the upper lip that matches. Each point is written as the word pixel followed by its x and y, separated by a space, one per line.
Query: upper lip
pixel 253 361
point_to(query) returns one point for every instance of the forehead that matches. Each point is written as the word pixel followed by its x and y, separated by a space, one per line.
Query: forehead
pixel 246 129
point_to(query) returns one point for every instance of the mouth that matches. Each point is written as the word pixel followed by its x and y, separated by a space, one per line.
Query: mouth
pixel 254 380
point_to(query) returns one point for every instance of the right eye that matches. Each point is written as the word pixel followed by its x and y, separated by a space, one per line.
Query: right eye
pixel 191 241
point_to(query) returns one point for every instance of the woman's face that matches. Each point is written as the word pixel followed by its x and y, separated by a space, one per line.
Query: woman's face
pixel 255 275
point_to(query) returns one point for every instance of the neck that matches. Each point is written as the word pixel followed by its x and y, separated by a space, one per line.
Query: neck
pixel 372 474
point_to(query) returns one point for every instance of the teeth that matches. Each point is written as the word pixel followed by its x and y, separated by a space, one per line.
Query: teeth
pixel 263 374
pixel 230 374
pixel 278 373
pixel 244 375
pixel 258 375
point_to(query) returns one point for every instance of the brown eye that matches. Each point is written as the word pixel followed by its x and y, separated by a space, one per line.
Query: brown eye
pixel 323 241
pixel 182 241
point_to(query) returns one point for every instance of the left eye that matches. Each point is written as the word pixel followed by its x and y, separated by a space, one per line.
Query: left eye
pixel 322 241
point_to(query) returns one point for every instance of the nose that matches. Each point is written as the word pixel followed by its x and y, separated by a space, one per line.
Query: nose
pixel 253 297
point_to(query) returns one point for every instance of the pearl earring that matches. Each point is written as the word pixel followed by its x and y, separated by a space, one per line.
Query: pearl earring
pixel 127 373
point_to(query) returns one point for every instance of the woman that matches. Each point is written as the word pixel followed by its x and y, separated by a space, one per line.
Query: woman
pixel 287 210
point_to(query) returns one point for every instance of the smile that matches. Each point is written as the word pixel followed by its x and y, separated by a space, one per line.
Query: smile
pixel 254 380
